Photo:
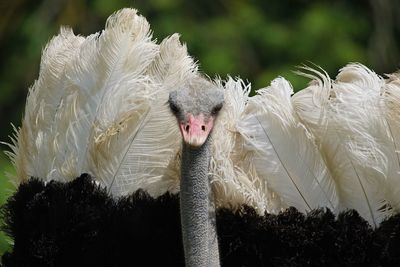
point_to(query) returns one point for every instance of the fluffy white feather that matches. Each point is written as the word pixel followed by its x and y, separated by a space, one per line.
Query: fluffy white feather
pixel 107 75
pixel 232 183
pixel 34 145
pixel 283 152
pixel 173 63
pixel 346 133
pixel 143 146
pixel 391 110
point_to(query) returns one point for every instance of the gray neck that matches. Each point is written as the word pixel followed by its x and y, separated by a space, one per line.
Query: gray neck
pixel 197 209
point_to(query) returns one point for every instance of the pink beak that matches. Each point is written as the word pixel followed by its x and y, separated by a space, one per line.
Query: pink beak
pixel 195 131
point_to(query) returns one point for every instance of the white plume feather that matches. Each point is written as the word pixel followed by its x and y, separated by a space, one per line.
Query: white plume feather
pixel 345 135
pixel 283 152
pixel 107 74
pixel 233 185
pixel 391 109
pixel 173 63
pixel 34 150
pixel 111 96
pixel 138 149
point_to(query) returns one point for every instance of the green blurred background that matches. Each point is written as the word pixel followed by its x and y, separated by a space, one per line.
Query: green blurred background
pixel 256 40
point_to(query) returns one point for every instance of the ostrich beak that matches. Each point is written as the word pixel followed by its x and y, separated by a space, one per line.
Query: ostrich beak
pixel 196 129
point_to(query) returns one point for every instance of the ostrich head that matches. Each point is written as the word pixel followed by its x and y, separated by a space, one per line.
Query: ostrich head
pixel 196 107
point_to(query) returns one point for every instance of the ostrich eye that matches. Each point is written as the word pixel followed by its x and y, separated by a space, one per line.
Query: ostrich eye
pixel 173 108
pixel 216 109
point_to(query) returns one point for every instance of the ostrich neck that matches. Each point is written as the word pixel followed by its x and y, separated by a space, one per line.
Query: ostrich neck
pixel 197 210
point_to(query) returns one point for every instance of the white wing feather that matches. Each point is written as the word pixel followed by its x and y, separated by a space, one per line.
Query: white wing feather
pixel 391 110
pixel 173 63
pixel 138 149
pixel 109 68
pixel 283 152
pixel 344 134
pixel 233 183
pixel 33 149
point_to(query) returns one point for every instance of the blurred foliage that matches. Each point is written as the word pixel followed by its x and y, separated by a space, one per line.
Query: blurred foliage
pixel 256 40
pixel 6 190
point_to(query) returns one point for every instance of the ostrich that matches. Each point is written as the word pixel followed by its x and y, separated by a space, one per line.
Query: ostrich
pixel 112 105
pixel 196 108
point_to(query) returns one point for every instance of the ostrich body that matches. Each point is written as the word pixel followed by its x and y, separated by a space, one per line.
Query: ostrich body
pixel 196 107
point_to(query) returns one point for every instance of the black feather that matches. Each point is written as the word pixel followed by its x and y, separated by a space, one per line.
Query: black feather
pixel 79 224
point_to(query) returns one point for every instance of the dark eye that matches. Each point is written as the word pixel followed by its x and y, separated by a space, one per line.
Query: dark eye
pixel 173 108
pixel 216 109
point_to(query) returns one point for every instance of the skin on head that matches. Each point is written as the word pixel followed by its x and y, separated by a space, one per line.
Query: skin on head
pixel 196 106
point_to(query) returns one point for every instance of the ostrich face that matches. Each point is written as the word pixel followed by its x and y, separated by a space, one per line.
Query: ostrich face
pixel 196 106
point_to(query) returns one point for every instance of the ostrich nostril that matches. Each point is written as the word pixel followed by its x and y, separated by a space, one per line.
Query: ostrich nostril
pixel 203 128
pixel 187 128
